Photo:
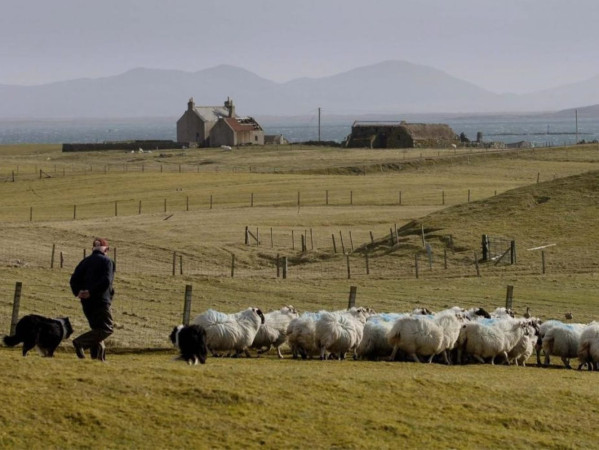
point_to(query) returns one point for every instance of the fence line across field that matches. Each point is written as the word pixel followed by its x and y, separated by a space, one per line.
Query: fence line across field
pixel 325 264
pixel 186 203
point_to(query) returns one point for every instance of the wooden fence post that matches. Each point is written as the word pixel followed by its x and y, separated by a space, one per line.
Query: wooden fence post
pixel 513 259
pixel 278 263
pixel 187 305
pixel 509 297
pixel 61 260
pixel 284 267
pixel 476 264
pixel 351 242
pixel 341 240
pixel 543 260
pixel 232 265
pixel 371 238
pixel 187 203
pixel 31 214
pixel 334 246
pixel 485 247
pixel 52 257
pixel 247 236
pixel 311 240
pixel 210 201
pixel 367 265
pixel 326 196
pixel 139 208
pixel 180 264
pixel 348 267
pixel 445 258
pixel 271 241
pixel 74 212
pixel 292 240
pixel 416 264
pixel 174 263
pixel 115 257
pixel 116 208
pixel 15 307
pixel 352 297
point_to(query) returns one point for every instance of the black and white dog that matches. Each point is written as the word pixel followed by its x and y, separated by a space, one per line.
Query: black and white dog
pixel 44 332
pixel 191 342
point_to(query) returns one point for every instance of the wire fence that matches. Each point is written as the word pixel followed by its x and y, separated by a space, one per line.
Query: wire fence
pixel 305 256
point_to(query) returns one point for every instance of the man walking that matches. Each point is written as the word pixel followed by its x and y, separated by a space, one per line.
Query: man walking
pixel 91 282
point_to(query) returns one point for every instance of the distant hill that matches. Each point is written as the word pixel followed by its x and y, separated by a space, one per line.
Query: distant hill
pixel 584 111
pixel 391 87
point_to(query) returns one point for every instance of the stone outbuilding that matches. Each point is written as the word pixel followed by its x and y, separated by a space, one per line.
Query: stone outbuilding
pixel 234 131
pixel 401 135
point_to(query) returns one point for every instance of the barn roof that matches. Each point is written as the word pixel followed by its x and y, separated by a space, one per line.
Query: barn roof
pixel 429 130
pixel 242 123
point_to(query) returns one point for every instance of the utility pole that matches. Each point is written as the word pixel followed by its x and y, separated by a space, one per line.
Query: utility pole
pixel 576 115
pixel 319 124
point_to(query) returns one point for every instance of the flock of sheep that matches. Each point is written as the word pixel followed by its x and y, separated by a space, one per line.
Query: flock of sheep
pixel 451 336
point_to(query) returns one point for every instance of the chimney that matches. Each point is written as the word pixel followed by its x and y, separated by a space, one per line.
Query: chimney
pixel 190 104
pixel 230 106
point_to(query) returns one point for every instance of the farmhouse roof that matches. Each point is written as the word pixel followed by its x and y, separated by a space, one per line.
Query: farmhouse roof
pixel 211 113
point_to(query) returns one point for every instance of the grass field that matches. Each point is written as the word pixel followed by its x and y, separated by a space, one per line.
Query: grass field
pixel 196 204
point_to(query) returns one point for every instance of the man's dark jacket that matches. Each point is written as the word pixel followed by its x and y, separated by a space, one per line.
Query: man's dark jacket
pixel 95 274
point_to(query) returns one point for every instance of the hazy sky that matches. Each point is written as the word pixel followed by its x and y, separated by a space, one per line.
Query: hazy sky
pixel 501 45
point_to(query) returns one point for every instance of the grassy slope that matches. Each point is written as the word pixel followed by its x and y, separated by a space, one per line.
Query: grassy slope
pixel 147 400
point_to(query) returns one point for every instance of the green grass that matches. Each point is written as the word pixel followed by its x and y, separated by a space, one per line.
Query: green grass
pixel 144 399
pixel 151 401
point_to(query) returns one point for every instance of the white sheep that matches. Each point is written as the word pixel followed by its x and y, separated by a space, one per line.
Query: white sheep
pixel 524 348
pixel 425 335
pixel 374 342
pixel 273 332
pixel 588 347
pixel 562 340
pixel 340 332
pixel 226 332
pixel 490 338
pixel 542 329
pixel 300 335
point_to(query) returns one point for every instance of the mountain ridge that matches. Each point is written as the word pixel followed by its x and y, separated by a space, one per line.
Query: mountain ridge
pixel 388 87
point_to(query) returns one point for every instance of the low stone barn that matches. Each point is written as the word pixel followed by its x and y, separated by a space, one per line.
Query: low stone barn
pixel 235 131
pixel 401 135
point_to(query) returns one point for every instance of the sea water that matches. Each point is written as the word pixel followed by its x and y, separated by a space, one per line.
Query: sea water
pixel 539 130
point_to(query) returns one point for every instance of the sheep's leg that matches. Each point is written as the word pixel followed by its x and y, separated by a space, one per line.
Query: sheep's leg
pixel 247 352
pixel 430 359
pixel 302 352
pixel 279 353
pixel 322 354
pixel 566 362
pixel 507 359
pixel 446 357
pixel 393 353
pixel 546 364
pixel 480 360
pixel 264 350
pixel 415 357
